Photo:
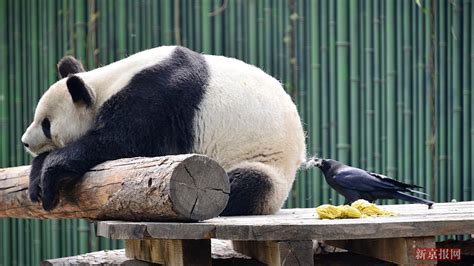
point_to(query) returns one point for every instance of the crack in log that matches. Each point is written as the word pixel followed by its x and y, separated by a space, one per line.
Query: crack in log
pixel 194 205
pixel 195 185
pixel 5 188
pixel 192 177
pixel 17 190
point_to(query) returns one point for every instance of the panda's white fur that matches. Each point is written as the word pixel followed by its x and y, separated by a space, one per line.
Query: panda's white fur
pixel 276 146
pixel 244 121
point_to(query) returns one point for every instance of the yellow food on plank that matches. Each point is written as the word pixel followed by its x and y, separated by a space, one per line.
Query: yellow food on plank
pixel 328 211
pixel 358 209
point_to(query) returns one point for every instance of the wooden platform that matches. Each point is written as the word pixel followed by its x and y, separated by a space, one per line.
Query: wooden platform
pixel 285 237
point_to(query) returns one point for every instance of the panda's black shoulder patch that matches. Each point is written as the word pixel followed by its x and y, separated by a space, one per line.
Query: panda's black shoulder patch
pixel 154 113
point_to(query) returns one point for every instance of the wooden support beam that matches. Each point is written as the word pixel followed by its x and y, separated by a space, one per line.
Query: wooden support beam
pixel 170 252
pixel 171 188
pixel 275 253
pixel 396 250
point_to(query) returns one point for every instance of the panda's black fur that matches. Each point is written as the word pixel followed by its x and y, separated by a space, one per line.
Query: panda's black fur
pixel 152 116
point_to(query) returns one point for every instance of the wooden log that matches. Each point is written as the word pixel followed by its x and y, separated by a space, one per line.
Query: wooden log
pixel 171 188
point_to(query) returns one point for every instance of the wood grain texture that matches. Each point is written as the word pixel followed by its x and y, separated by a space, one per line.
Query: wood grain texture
pixel 170 252
pixel 303 224
pixel 187 187
pixel 107 257
pixel 277 253
pixel 396 250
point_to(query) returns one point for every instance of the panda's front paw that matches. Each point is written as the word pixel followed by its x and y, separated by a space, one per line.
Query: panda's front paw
pixel 50 181
pixel 54 173
pixel 34 188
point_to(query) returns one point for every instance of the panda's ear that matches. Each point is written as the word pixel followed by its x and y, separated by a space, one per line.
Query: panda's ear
pixel 69 65
pixel 79 91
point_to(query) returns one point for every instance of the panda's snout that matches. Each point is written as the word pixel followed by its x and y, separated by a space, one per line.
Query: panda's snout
pixel 25 144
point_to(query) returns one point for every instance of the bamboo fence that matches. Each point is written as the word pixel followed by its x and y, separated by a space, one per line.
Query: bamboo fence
pixel 371 89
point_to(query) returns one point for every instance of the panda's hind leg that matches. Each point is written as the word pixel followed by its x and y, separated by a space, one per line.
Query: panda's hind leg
pixel 251 189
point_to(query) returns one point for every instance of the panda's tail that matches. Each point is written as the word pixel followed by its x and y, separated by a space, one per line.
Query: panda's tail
pixel 311 162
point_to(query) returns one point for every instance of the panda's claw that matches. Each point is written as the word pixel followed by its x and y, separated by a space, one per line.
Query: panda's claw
pixel 50 202
pixel 35 193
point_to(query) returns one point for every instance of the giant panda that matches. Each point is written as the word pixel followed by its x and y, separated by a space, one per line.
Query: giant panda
pixel 164 101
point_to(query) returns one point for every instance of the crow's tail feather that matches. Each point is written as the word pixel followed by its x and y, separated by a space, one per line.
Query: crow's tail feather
pixel 410 198
pixel 417 192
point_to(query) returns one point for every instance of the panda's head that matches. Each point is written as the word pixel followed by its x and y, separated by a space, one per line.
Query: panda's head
pixel 64 112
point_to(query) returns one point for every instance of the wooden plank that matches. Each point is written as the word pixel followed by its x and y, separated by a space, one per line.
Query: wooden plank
pixel 300 224
pixel 106 257
pixel 170 252
pixel 275 253
pixel 397 250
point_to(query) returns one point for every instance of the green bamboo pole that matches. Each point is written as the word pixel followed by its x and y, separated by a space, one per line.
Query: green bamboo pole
pixel 17 83
pixel 407 88
pixel 83 230
pixel 421 103
pixel 342 43
pixel 4 136
pixel 362 67
pixel 369 101
pixel 442 108
pixel 383 88
pixel 430 109
pixel 471 60
pixel 332 90
pixel 325 90
pixel 267 16
pixel 216 22
pixel 6 241
pixel 11 78
pixel 342 84
pixel 449 105
pixel 3 86
pixel 14 242
pixel 395 168
pixel 251 28
pixel 332 82
pixel 55 239
pixel 413 95
pixel 20 243
pixel 27 244
pixel 261 34
pixel 466 104
pixel 102 39
pixel 391 88
pixel 411 98
pixel 120 27
pixel 37 242
pixel 315 96
pixel 457 100
pixel 206 26
pixel 377 88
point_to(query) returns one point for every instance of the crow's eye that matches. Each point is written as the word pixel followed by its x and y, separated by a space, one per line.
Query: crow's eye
pixel 46 125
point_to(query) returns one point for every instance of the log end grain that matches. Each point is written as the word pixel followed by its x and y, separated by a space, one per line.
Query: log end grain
pixel 199 188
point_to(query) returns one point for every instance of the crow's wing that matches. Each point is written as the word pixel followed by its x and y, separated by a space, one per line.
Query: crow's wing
pixel 357 179
pixel 393 181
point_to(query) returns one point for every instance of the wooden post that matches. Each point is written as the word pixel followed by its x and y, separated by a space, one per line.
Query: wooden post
pixel 171 188
pixel 275 253
pixel 396 250
pixel 170 252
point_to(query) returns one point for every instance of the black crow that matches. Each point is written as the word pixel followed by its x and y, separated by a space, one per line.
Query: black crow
pixel 354 183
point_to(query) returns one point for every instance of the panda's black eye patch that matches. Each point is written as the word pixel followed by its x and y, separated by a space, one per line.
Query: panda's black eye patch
pixel 46 125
